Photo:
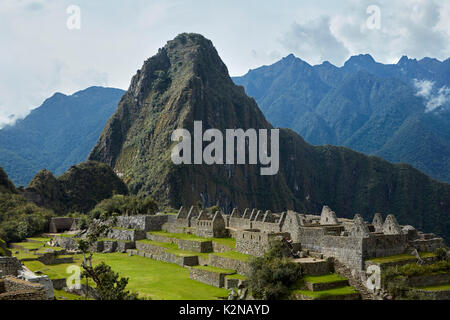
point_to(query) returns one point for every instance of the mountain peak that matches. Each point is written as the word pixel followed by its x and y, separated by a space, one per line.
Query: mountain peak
pixel 360 60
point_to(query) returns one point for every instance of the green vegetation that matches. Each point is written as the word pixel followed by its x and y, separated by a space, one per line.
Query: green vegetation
pixel 149 278
pixel 108 284
pixel 3 249
pixel 396 278
pixel 442 287
pixel 236 276
pixel 58 134
pixel 332 277
pixel 401 257
pixel 124 205
pixel 79 189
pixel 347 290
pixel 271 276
pixel 214 269
pixel 62 295
pixel 20 219
pixel 361 106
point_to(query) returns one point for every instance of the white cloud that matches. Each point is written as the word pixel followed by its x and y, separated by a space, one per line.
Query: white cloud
pixel 438 100
pixel 433 98
pixel 423 87
pixel 314 41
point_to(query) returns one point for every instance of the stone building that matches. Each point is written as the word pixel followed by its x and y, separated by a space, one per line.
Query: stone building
pixel 60 224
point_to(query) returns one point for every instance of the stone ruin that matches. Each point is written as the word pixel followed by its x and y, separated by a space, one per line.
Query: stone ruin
pixel 350 241
pixel 19 283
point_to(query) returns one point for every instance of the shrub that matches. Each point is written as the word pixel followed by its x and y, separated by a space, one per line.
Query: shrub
pixel 272 275
pixel 124 205
pixel 441 254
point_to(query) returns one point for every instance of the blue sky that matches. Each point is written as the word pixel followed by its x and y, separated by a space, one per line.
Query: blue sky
pixel 41 56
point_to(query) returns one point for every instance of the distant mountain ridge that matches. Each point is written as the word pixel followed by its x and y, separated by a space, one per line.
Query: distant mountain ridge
pixel 58 134
pixel 364 105
pixel 186 81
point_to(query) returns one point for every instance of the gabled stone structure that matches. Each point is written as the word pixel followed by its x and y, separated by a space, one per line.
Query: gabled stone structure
pixel 349 241
pixel 209 226
pixel 391 225
pixel 359 228
pixel 60 224
pixel 328 217
pixel 378 222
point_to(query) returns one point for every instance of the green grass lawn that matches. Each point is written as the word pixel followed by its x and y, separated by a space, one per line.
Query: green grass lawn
pixel 400 257
pixel 159 280
pixel 29 245
pixel 40 239
pixel 62 295
pixel 442 287
pixel 230 242
pixel 326 293
pixel 234 255
pixel 332 277
pixel 236 276
pixel 149 278
pixel 214 269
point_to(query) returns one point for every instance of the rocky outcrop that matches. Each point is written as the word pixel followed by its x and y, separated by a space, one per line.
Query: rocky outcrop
pixel 79 189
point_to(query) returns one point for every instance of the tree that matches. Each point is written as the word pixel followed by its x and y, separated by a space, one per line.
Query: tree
pixel 272 276
pixel 109 285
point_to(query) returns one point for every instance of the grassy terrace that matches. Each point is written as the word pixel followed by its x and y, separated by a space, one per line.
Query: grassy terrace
pixel 173 248
pixel 332 277
pixel 326 293
pixel 40 247
pixel 214 269
pixel 236 276
pixel 442 287
pixel 400 257
pixel 149 278
pixel 231 242
pixel 66 235
pixel 39 239
pixel 234 255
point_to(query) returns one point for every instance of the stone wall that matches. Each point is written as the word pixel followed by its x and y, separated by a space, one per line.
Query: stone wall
pixel 216 279
pixel 126 234
pixel 187 245
pixel 143 222
pixel 152 252
pixel 429 280
pixel 435 295
pixel 241 267
pixel 52 258
pixel 254 242
pixel 382 245
pixel 218 247
pixel 59 284
pixel 427 245
pixel 17 289
pixel 10 266
pixel 68 243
